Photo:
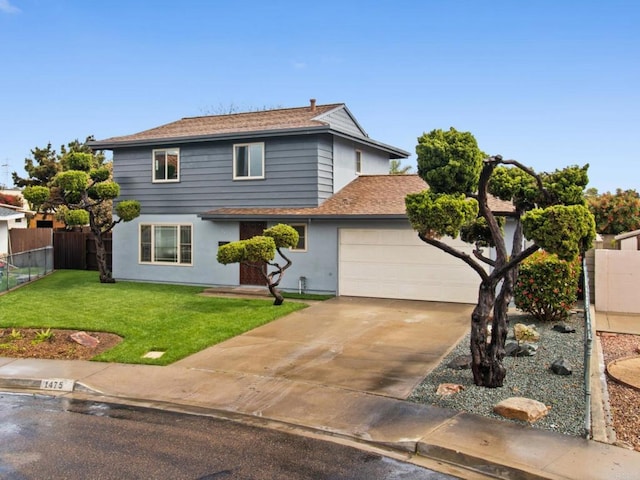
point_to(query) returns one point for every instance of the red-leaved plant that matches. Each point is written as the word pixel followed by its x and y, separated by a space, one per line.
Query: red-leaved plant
pixel 547 287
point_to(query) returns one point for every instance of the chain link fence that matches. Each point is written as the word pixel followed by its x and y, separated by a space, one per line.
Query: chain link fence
pixel 25 267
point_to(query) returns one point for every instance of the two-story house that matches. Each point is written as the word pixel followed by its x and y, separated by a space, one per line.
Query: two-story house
pixel 203 181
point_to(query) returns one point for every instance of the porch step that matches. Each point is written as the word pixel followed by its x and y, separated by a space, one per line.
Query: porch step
pixel 250 291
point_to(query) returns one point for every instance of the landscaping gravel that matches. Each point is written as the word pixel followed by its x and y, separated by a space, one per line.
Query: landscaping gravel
pixel 528 377
pixel 624 401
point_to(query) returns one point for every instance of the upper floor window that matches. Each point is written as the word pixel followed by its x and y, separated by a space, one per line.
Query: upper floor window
pixel 248 161
pixel 302 238
pixel 165 244
pixel 358 161
pixel 166 165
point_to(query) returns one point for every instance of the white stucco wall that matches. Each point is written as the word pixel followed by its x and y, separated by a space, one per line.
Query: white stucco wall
pixel 617 278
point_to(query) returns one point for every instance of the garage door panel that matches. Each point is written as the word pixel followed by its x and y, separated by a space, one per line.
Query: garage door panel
pixel 423 254
pixel 394 263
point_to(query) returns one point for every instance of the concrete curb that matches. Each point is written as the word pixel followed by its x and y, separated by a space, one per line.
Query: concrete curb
pixel 407 450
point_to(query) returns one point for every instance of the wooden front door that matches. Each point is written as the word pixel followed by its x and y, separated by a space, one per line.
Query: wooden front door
pixel 251 275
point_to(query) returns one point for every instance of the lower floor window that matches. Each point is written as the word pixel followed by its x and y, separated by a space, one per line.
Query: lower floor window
pixel 302 238
pixel 165 244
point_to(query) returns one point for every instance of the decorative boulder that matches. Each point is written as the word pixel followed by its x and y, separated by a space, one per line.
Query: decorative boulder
pixel 513 349
pixel 525 333
pixel 521 408
pixel 445 389
pixel 564 328
pixel 83 338
pixel 561 366
pixel 461 362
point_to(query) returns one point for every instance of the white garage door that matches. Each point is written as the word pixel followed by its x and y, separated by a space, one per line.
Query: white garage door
pixel 397 264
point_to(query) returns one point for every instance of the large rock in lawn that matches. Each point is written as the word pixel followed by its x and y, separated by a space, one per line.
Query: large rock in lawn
pixel 521 408
pixel 83 338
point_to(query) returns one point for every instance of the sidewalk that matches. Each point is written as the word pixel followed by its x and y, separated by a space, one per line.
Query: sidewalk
pixel 490 447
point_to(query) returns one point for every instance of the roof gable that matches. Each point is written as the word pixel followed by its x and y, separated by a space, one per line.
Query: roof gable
pixel 332 118
pixel 341 119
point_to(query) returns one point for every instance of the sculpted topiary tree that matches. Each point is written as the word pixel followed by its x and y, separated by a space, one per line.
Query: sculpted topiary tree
pixel 549 211
pixel 82 189
pixel 258 252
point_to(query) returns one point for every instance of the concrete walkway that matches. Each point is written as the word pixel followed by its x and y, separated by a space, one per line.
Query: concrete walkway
pixel 341 368
pixel 618 322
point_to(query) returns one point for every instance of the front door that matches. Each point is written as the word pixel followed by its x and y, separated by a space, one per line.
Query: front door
pixel 251 275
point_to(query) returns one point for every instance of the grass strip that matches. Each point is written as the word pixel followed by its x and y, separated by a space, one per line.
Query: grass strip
pixel 171 318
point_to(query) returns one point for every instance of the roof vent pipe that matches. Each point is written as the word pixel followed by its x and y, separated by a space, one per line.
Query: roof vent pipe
pixel 313 104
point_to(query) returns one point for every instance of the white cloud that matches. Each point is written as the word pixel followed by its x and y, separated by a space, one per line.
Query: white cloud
pixel 296 65
pixel 6 7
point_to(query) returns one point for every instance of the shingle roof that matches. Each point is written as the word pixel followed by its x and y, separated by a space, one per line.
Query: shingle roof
pixel 366 196
pixel 264 120
pixel 9 212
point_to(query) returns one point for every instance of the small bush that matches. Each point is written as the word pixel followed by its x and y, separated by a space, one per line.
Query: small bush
pixel 15 335
pixel 547 287
pixel 43 336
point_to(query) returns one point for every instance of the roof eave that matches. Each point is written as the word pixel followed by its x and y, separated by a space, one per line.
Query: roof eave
pixel 395 153
pixel 285 216
pixel 626 235
pixel 110 145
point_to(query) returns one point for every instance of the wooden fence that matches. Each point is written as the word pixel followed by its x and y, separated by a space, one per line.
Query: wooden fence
pixel 77 250
pixel 24 239
pixel 71 250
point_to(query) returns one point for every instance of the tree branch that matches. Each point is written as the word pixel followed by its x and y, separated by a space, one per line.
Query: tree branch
pixel 484 210
pixel 456 253
pixel 515 260
pixel 537 177
pixel 477 252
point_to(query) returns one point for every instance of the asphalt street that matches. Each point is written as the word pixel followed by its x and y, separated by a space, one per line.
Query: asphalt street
pixel 50 437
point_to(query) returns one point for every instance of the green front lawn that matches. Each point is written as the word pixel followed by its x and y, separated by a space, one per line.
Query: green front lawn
pixel 150 317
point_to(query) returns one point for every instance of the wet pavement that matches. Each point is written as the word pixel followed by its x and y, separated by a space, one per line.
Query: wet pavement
pixel 342 368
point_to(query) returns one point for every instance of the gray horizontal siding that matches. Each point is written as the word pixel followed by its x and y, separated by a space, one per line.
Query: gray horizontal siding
pixel 206 171
pixel 325 167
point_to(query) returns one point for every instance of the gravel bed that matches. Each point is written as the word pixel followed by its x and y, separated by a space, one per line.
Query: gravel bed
pixel 624 401
pixel 528 377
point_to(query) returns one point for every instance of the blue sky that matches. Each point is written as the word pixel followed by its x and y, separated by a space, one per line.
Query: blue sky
pixel 549 83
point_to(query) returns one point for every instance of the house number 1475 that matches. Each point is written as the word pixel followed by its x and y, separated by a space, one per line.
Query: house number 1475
pixel 59 384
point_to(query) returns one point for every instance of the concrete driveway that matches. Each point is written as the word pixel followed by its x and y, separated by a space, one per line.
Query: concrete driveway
pixel 379 346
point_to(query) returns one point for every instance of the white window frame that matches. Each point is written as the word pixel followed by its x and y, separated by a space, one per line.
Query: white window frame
pixel 153 165
pixel 262 164
pixel 153 261
pixel 358 161
pixel 305 236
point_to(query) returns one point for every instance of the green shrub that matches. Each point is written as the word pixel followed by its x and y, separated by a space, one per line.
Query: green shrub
pixel 232 252
pixel 107 190
pixel 76 217
pixel 284 235
pixel 127 210
pixel 547 286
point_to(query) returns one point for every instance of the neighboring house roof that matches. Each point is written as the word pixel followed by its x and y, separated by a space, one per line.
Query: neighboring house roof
pixel 285 121
pixel 366 197
pixel 10 214
pixel 622 236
